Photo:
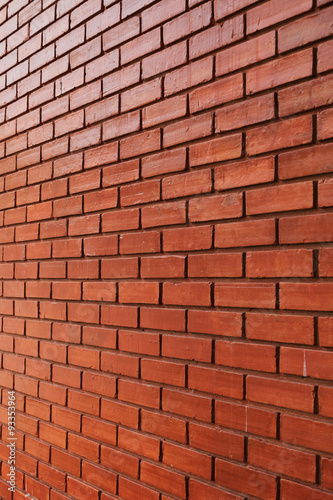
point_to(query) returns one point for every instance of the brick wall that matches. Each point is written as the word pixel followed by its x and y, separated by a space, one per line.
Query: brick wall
pixel 166 269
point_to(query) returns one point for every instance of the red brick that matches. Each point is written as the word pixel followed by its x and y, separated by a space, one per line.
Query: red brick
pixel 163 214
pixel 138 193
pixel 271 13
pixel 325 262
pixel 216 37
pixel 282 393
pixel 119 315
pixel 188 347
pixel 305 30
pixel 279 263
pixel 121 79
pixel 279 71
pixel 140 46
pixel 247 233
pixel 248 356
pixel 213 440
pixel 101 110
pixel 114 362
pixel 187 130
pixel 163 267
pixel 144 142
pixel 124 414
pixel 188 76
pixel 100 245
pixel 306 362
pixel 327 468
pixel 120 268
pixel 245 479
pixel 186 184
pixel 120 173
pixel 297 491
pixel 312 434
pixel 277 135
pixel 131 490
pixel 244 173
pixel 305 296
pixel 163 478
pixel 158 318
pixel 120 461
pixel 131 292
pixel 306 161
pixel 244 54
pixel 193 294
pixel 280 328
pixel 134 243
pixel 225 206
pixel 325 124
pixel 246 418
pixel 163 372
pixel 325 56
pixel 305 229
pixel 187 239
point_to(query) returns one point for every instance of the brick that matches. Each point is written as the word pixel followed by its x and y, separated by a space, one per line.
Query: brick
pixel 120 461
pixel 248 233
pixel 121 79
pixel 213 94
pixel 305 96
pixel 164 111
pixel 162 424
pixel 305 30
pixel 99 291
pixel 244 173
pixel 163 267
pixel 163 214
pixel 273 13
pixel 161 12
pixel 129 488
pixel 245 295
pixel 139 193
pixel 186 294
pixel 279 71
pixel 225 206
pixel 187 130
pixel 120 268
pixel 114 362
pixel 216 441
pixel 276 135
pixel 147 293
pixel 298 491
pixel 245 479
pixel 245 54
pixel 246 113
pixel 164 162
pixel 305 229
pixel 280 393
pixel 187 239
pixel 139 144
pixel 133 98
pixel 286 263
pixel 325 262
pixel 188 76
pixel 103 21
pixel 148 242
pixel 305 296
pixel 224 9
pixel 186 184
pixel 303 432
pixel 247 356
pixel 165 479
pixel 325 56
pixel 101 110
pixel 187 23
pixel 164 60
pixel 307 363
pixel 119 316
pixel 246 418
pixel 140 46
pixel 280 198
pixel 181 403
pixel 216 37
pixel 325 124
pixel 121 33
pixel 86 94
pixel 160 318
pixel 191 348
pixel 214 322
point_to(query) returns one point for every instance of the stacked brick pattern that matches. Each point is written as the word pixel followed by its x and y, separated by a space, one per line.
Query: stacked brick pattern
pixel 166 218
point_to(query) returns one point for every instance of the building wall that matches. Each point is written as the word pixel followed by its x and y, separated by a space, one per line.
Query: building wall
pixel 166 221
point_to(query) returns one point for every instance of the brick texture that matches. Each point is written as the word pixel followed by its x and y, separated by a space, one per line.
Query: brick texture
pixel 166 229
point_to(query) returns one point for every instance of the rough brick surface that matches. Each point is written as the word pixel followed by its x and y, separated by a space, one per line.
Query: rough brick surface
pixel 166 258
